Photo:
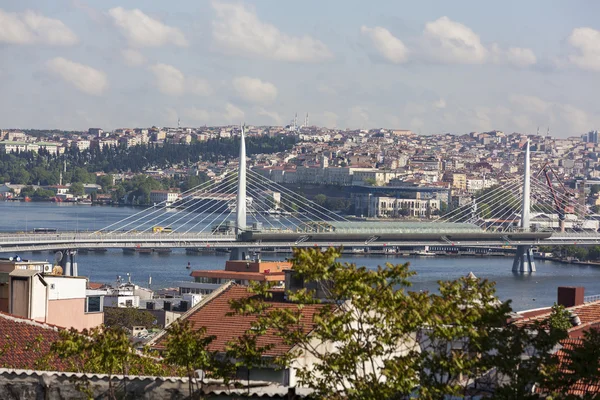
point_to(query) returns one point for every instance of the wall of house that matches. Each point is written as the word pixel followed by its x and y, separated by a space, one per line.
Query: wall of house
pixel 38 298
pixel 70 313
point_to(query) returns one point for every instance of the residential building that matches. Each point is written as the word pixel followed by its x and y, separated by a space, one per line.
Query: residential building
pixel 163 196
pixel 39 291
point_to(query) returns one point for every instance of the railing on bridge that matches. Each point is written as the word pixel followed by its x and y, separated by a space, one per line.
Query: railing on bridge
pixel 590 299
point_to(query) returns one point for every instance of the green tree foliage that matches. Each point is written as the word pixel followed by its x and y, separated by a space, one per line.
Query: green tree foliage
pixel 189 349
pixel 320 199
pixel 391 342
pixel 43 168
pixel 193 181
pixel 127 317
pixel 77 189
pixel 104 351
pixel 505 202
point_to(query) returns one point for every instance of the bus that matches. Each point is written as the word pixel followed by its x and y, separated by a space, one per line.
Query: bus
pixel 159 229
pixel 45 230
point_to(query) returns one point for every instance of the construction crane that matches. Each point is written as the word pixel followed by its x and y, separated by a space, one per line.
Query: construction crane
pixel 560 205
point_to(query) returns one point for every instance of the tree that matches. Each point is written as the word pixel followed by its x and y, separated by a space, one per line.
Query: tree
pixel 484 211
pixel 394 343
pixel 127 317
pixel 188 348
pixel 77 189
pixel 98 350
pixel 320 199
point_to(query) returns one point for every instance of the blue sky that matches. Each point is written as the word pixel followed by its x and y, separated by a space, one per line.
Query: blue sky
pixel 431 67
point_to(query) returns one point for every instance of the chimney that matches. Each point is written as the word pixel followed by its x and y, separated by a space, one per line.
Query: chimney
pixel 570 296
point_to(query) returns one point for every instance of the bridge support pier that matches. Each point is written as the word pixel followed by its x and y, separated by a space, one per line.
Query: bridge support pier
pixel 238 253
pixel 523 261
pixel 68 264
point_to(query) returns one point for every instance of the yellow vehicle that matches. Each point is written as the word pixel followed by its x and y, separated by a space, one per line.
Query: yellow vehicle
pixel 161 229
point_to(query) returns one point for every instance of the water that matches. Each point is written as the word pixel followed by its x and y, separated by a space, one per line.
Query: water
pixel 526 291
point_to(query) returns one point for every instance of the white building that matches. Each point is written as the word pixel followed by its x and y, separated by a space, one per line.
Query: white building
pixel 160 196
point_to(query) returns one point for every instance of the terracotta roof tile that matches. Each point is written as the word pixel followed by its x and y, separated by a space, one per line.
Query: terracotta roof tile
pixel 588 313
pixel 579 388
pixel 213 316
pixel 24 341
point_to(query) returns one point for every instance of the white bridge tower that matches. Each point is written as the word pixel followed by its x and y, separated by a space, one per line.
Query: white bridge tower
pixel 523 261
pixel 240 211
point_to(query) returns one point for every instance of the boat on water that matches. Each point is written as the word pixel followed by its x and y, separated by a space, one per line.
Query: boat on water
pixel 424 253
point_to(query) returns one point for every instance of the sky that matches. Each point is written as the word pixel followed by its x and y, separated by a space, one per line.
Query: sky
pixel 431 67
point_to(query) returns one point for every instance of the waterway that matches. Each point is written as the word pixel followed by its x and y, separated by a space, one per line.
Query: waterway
pixel 526 291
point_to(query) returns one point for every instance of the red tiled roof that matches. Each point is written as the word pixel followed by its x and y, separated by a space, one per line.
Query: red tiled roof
pixel 250 276
pixel 213 316
pixel 24 341
pixel 588 313
pixel 94 285
pixel 579 388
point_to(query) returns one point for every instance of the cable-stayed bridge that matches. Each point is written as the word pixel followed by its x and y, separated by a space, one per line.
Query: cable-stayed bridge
pixel 241 209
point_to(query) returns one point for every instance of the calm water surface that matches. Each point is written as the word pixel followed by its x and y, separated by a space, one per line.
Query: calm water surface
pixel 526 291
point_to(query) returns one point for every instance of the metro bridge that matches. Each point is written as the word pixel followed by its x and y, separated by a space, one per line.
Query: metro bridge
pixel 284 219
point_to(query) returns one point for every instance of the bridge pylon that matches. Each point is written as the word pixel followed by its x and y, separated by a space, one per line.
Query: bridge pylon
pixel 523 261
pixel 240 212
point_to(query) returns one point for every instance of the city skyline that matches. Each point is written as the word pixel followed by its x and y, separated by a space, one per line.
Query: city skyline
pixel 432 68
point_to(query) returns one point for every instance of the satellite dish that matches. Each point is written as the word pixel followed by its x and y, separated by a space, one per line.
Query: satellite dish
pixel 18 258
pixel 58 256
pixel 10 258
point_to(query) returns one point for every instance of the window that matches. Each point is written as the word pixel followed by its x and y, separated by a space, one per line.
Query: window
pixel 94 304
pixel 128 303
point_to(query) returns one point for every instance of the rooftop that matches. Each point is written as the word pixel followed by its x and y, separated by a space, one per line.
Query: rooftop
pixel 23 341
pixel 213 315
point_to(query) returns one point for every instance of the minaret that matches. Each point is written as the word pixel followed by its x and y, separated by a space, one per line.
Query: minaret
pixel 241 193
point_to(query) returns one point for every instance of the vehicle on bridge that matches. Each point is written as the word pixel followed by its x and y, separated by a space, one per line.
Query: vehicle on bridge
pixel 45 230
pixel 162 229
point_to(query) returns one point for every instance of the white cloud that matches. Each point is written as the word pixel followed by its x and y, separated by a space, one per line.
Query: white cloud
pixel 564 118
pixel 198 86
pixel 441 103
pixel 520 57
pixel 142 30
pixel 171 81
pixel 328 119
pixel 238 30
pixel 358 117
pixel 326 89
pixel 83 77
pixel 197 115
pixel 133 58
pixel 587 43
pixel 389 47
pixel 30 27
pixel 516 56
pixel 254 90
pixel 273 115
pixel 229 115
pixel 530 103
pixel 452 42
pixel 233 114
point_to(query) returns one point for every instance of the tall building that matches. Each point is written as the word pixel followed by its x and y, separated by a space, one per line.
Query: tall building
pixel 592 137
